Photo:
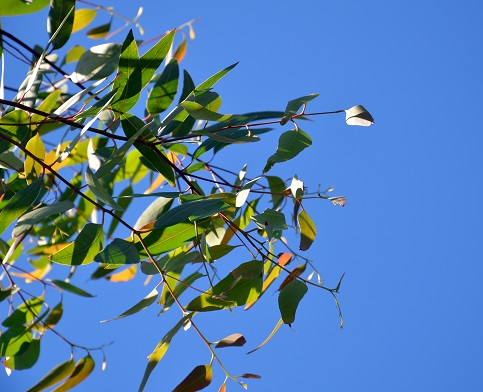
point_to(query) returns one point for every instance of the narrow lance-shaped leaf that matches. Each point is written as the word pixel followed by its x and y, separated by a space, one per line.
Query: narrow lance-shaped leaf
pixel 57 374
pixel 152 59
pixel 128 83
pixel 307 230
pixel 294 274
pixel 71 288
pixel 84 248
pixel 289 298
pixel 83 368
pixel 199 378
pixel 294 105
pixel 242 195
pixel 98 190
pixel 290 144
pixel 27 357
pixel 234 340
pixel 28 220
pixel 161 348
pixel 99 31
pixel 272 334
pixel 60 11
pixel 141 305
pixel 18 204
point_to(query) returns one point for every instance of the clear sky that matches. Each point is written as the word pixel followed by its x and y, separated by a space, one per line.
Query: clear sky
pixel 409 238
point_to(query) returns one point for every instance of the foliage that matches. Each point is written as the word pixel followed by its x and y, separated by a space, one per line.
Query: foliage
pixel 74 166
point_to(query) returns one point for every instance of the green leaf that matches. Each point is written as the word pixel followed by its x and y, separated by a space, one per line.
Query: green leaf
pixel 33 169
pixel 277 190
pixel 358 115
pixel 163 240
pixel 199 112
pixel 98 62
pixel 188 86
pixel 30 219
pixel 14 126
pixel 4 294
pixel 25 313
pixel 124 202
pixel 240 286
pixel 82 18
pixel 157 208
pixel 15 340
pixel 141 305
pixel 26 358
pixel 152 59
pixel 54 315
pixel 99 31
pixel 164 90
pixel 156 156
pixel 19 7
pixel 289 298
pixel 270 217
pixel 161 348
pixel 199 378
pixel 83 368
pixel 307 230
pixel 71 288
pixel 47 106
pixel 18 204
pixel 294 105
pixel 98 190
pixel 180 288
pixel 234 340
pixel 194 210
pixel 73 54
pixel 57 374
pixel 290 144
pixel 173 261
pixel 128 83
pixel 210 82
pixel 8 160
pixel 60 11
pixel 85 247
pixel 119 252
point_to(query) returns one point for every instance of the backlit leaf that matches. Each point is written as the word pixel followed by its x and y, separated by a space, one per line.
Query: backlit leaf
pixel 268 338
pixel 85 247
pixel 14 126
pixel 164 90
pixel 289 298
pixel 152 59
pixel 157 208
pixel 294 105
pixel 33 169
pixel 57 374
pixel 307 230
pixel 141 305
pixel 97 62
pixel 82 369
pixel 199 378
pixel 26 358
pixel 294 274
pixel 18 7
pixel 19 204
pixel 180 51
pixel 99 31
pixel 71 288
pixel 82 18
pixel 290 144
pixel 118 252
pixel 60 20
pixel 98 190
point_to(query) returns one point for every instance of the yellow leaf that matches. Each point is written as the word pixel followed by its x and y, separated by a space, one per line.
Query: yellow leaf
pixel 155 184
pixel 180 51
pixel 82 18
pixel 34 275
pixel 33 169
pixel 124 275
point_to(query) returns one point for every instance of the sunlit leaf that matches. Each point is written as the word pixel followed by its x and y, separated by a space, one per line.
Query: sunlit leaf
pixel 8 160
pixel 125 275
pixel 97 62
pixel 19 7
pixel 338 200
pixel 26 358
pixel 128 82
pixel 268 338
pixel 188 86
pixel 199 378
pixel 28 220
pixel 157 208
pixel 289 298
pixel 47 105
pixel 60 20
pixel 358 115
pixel 294 105
pixel 98 190
pixel 14 126
pixel 85 247
pixel 277 190
pixel 294 274
pixel 13 340
pixel 141 305
pixel 25 313
pixel 74 54
pixel 57 374
pixel 71 288
pixel 82 369
pixel 152 59
pixel 234 340
pixel 19 204
pixel 33 169
pixel 242 195
pixel 99 31
pixel 4 294
pixel 180 51
pixel 290 144
pixel 233 290
pixel 161 348
pixel 82 18
pixel 307 230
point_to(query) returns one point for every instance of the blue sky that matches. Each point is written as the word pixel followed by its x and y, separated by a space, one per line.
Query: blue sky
pixel 409 238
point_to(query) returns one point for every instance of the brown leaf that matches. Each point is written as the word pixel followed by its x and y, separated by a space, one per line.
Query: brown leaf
pixel 296 272
pixel 199 378
pixel 234 340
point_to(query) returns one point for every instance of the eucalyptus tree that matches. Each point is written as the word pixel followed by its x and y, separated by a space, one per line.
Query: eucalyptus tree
pixel 85 157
